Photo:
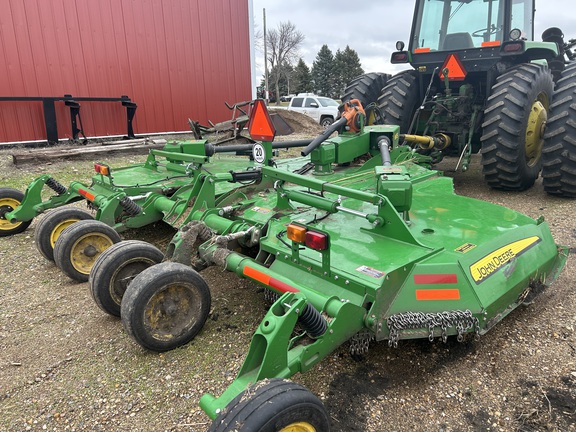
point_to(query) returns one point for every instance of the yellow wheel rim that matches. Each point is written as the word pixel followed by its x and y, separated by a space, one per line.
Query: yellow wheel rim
pixel 172 311
pixel 87 249
pixel 58 230
pixel 299 427
pixel 11 204
pixel 534 139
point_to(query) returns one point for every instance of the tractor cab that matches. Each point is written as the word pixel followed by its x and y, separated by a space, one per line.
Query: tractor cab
pixel 449 25
pixel 472 36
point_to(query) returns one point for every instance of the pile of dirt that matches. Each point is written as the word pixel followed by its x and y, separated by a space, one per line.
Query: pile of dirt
pixel 300 123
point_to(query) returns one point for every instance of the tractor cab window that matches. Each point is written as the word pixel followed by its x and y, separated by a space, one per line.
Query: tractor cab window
pixel 522 18
pixel 448 25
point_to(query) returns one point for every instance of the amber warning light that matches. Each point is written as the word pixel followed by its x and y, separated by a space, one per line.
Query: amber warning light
pixel 261 127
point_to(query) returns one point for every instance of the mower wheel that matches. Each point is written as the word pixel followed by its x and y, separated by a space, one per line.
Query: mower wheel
pixel 9 200
pixel 79 245
pixel 559 152
pixel 51 226
pixel 115 269
pixel 165 306
pixel 513 130
pixel 399 100
pixel 273 405
pixel 366 88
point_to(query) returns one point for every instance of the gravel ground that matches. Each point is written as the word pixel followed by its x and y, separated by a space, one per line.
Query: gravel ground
pixel 65 365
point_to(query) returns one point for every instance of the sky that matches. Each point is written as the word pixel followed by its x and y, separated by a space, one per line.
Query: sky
pixel 372 28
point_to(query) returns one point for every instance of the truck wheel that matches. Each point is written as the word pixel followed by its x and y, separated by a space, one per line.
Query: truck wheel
pixel 559 152
pixel 51 226
pixel 79 245
pixel 366 88
pixel 9 200
pixel 513 129
pixel 115 269
pixel 326 121
pixel 165 306
pixel 273 405
pixel 399 100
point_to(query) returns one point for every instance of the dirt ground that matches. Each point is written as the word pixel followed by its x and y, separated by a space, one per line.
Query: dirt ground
pixel 67 366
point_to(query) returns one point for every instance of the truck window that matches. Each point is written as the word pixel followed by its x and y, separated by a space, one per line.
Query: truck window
pixel 309 102
pixel 297 102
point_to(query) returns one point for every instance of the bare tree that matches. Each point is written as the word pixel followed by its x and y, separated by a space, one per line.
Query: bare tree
pixel 283 44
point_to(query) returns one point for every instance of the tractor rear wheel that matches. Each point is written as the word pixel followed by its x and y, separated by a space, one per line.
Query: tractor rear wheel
pixel 51 226
pixel 513 130
pixel 165 306
pixel 399 100
pixel 79 245
pixel 273 405
pixel 115 269
pixel 559 153
pixel 366 88
pixel 9 200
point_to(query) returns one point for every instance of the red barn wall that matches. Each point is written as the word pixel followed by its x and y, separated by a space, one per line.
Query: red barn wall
pixel 175 59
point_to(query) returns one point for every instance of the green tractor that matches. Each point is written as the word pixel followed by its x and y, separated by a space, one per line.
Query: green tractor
pixel 480 83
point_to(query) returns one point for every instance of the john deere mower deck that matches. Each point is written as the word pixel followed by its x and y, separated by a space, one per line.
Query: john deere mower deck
pixel 356 241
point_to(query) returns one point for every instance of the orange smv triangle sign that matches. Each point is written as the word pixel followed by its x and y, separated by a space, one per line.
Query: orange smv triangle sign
pixel 456 71
pixel 261 127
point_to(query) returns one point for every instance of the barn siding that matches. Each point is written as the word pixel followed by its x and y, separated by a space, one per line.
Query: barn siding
pixel 176 59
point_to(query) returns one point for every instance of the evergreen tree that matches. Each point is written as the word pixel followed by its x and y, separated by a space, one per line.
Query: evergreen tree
pixel 346 67
pixel 302 79
pixel 323 71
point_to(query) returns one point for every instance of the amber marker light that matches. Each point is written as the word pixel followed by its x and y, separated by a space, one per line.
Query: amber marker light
pixel 296 233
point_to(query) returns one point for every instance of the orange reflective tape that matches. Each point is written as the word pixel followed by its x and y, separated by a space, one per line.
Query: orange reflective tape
pixel 421 50
pixel 438 294
pixel 265 279
pixel 491 43
pixel 257 275
pixel 86 194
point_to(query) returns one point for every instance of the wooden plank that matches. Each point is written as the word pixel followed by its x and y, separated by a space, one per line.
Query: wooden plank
pixel 38 155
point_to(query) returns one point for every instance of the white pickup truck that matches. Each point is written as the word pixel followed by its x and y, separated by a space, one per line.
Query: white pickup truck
pixel 322 109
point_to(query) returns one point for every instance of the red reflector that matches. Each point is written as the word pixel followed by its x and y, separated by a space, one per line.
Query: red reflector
pixel 399 57
pixel 421 50
pixel 86 194
pixel 513 47
pixel 261 127
pixel 434 279
pixel 316 240
pixel 491 43
pixel 456 71
pixel 447 294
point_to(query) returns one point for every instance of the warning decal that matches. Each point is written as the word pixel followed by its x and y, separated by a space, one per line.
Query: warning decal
pixel 494 261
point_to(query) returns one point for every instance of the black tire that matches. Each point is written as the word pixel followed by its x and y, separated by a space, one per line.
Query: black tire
pixel 559 152
pixel 513 130
pixel 326 121
pixel 79 245
pixel 9 200
pixel 399 100
pixel 273 405
pixel 165 306
pixel 366 88
pixel 115 269
pixel 49 228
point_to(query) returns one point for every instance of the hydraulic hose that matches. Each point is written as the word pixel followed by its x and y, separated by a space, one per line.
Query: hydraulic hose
pixel 324 135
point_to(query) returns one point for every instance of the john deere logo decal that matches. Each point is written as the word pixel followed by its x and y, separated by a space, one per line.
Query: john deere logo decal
pixel 494 261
